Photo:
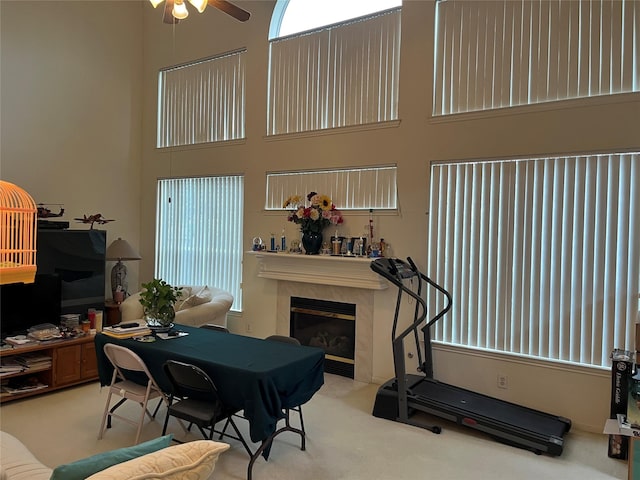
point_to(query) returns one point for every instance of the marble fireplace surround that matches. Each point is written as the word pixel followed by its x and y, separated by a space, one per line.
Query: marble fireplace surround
pixel 335 279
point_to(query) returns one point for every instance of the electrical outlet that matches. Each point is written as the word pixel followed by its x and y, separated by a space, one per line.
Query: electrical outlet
pixel 248 327
pixel 503 381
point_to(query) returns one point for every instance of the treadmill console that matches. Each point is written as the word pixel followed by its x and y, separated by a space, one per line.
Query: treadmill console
pixel 393 269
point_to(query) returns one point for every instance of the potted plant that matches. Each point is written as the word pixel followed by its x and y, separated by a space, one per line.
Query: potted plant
pixel 158 299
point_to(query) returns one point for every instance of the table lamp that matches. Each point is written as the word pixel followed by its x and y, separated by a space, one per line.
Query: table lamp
pixel 120 250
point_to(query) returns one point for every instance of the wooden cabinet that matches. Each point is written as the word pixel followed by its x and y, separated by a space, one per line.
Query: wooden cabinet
pixel 67 364
pixel 88 362
pixel 71 362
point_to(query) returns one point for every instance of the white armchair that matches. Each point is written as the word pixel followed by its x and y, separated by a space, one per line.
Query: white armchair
pixel 196 306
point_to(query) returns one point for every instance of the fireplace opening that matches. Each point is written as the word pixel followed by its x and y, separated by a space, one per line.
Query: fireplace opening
pixel 330 326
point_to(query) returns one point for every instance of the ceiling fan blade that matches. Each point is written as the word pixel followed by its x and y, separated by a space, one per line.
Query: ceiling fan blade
pixel 168 17
pixel 230 9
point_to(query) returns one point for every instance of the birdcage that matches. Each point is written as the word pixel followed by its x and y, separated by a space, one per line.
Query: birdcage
pixel 17 235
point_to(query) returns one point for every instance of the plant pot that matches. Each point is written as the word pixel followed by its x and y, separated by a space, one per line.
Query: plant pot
pixel 160 321
pixel 312 242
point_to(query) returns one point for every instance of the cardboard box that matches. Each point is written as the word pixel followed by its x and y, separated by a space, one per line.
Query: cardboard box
pixel 633 403
pixel 621 428
pixel 621 371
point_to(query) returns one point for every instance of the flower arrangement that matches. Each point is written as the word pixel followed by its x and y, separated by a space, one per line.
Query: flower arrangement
pixel 313 218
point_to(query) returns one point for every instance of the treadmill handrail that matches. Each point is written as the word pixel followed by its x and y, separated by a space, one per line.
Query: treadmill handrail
pixel 420 318
pixel 387 267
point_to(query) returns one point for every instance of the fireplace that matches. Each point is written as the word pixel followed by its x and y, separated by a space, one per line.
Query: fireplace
pixel 334 279
pixel 330 326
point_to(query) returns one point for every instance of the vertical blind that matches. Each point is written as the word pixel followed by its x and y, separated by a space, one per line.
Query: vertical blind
pixel 542 256
pixel 492 54
pixel 202 102
pixel 336 76
pixel 349 189
pixel 199 232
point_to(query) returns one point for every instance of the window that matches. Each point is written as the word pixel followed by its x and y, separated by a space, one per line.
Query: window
pixel 349 189
pixel 295 16
pixel 504 53
pixel 203 101
pixel 199 232
pixel 541 255
pixel 336 76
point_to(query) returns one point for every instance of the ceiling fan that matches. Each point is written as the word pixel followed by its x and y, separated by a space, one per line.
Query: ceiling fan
pixel 176 10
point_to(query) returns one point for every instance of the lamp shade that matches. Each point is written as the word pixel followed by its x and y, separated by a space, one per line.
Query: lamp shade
pixel 199 4
pixel 179 10
pixel 121 250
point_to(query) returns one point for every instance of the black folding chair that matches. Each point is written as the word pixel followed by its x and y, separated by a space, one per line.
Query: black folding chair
pixel 194 398
pixel 292 341
pixel 213 326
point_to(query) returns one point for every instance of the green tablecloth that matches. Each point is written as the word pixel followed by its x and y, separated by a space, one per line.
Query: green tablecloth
pixel 258 376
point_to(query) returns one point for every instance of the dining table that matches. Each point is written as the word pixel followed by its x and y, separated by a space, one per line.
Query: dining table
pixel 262 378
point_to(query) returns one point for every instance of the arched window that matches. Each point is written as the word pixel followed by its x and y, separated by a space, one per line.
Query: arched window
pixel 295 16
pixel 324 74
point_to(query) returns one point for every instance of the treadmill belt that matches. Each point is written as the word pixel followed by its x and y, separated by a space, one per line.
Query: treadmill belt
pixel 496 410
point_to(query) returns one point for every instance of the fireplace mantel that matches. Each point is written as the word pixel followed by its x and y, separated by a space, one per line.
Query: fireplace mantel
pixel 319 269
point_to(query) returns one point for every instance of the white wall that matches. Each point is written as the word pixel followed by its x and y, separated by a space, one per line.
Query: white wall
pixel 79 86
pixel 72 109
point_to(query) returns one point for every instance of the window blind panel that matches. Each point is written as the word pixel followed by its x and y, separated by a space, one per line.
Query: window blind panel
pixel 570 54
pixel 559 51
pixel 459 253
pixel 440 91
pixel 199 232
pixel 349 189
pixel 336 76
pixel 503 53
pixel 202 102
pixel 594 48
pixel 437 229
pixel 541 255
pixel 289 83
pixel 630 42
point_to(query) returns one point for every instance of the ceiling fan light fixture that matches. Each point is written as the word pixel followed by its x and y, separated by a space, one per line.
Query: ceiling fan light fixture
pixel 199 5
pixel 180 10
pixel 155 3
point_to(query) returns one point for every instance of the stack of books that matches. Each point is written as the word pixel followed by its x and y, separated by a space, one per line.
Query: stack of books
pixel 9 366
pixel 17 386
pixel 127 330
pixel 34 361
pixel 20 340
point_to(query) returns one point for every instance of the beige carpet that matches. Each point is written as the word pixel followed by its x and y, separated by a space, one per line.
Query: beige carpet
pixel 344 441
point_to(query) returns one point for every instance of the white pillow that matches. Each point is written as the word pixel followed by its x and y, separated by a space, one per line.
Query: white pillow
pixel 203 295
pixel 193 461
pixel 185 293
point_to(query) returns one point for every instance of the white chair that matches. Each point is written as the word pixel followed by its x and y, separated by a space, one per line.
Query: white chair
pixel 125 360
pixel 196 306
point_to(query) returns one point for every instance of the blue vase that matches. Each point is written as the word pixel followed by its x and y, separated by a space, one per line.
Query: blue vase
pixel 312 242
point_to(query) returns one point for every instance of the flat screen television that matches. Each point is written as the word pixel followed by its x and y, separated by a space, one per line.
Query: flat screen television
pixel 70 278
pixel 78 258
pixel 23 305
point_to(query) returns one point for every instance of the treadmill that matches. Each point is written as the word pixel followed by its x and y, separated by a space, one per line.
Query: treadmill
pixel 400 398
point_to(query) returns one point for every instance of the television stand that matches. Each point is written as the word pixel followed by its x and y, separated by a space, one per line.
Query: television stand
pixel 72 362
